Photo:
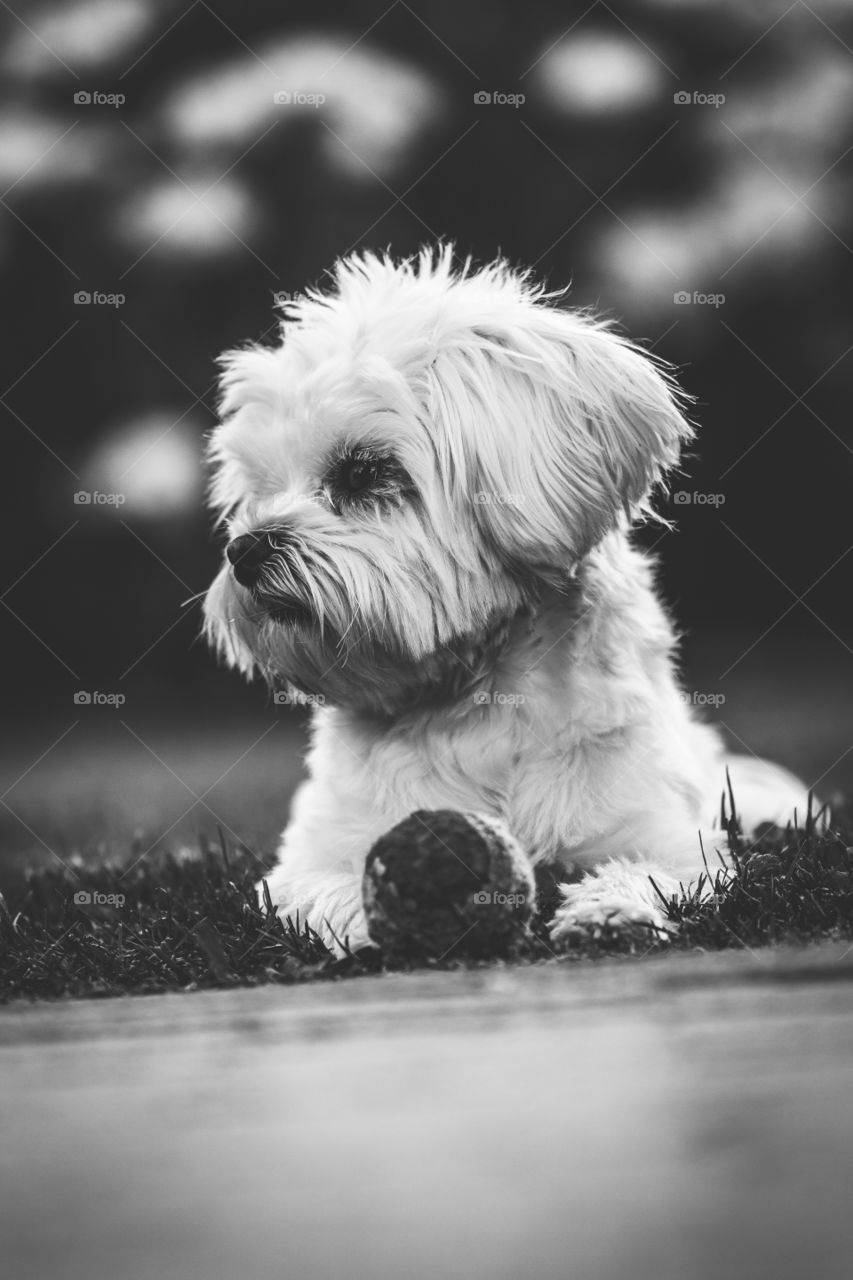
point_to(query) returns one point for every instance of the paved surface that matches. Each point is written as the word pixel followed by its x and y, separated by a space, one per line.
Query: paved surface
pixel 676 1118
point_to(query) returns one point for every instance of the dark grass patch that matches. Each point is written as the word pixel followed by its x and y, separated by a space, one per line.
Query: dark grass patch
pixel 196 923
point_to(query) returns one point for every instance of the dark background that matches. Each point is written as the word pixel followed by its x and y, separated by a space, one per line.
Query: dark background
pixel 198 198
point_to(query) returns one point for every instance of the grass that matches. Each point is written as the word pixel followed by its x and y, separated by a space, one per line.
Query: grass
pixel 182 924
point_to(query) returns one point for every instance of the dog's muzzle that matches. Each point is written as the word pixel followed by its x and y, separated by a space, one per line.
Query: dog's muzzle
pixel 248 554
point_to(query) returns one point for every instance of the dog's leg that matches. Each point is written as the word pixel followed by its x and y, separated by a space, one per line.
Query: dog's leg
pixel 332 906
pixel 627 864
pixel 318 874
pixel 764 792
pixel 645 848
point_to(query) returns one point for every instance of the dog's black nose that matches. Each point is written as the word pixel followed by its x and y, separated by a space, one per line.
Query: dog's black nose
pixel 247 555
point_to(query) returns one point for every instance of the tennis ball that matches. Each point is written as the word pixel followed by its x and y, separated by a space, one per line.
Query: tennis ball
pixel 443 882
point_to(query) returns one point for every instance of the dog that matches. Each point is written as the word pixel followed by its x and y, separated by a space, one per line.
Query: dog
pixel 429 487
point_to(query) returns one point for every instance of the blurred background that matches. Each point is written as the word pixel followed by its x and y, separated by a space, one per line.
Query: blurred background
pixel 169 169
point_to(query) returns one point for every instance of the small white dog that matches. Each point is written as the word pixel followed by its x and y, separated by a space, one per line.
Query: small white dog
pixel 429 486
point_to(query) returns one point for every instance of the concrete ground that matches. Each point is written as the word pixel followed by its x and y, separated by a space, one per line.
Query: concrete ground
pixel 680 1118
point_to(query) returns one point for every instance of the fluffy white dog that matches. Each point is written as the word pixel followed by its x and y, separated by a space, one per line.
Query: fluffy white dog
pixel 429 486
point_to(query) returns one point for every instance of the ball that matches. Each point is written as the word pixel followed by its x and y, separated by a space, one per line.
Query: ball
pixel 444 884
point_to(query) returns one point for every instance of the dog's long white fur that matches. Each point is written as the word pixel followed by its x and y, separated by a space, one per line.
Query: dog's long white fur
pixel 488 639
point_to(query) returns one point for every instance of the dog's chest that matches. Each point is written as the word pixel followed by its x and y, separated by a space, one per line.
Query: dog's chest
pixel 506 763
pixel 465 767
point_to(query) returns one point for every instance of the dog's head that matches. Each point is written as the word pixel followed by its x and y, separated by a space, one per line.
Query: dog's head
pixel 423 452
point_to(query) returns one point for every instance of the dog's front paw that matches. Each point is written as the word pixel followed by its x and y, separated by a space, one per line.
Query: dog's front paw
pixel 341 928
pixel 334 912
pixel 595 904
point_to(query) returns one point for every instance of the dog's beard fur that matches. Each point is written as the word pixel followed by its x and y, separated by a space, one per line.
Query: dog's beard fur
pixel 361 673
pixel 525 433
pixel 328 621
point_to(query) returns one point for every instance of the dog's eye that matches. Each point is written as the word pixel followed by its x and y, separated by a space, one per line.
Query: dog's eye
pixel 365 477
pixel 359 475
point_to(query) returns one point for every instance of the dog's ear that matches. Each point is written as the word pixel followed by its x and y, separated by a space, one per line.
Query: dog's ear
pixel 572 428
